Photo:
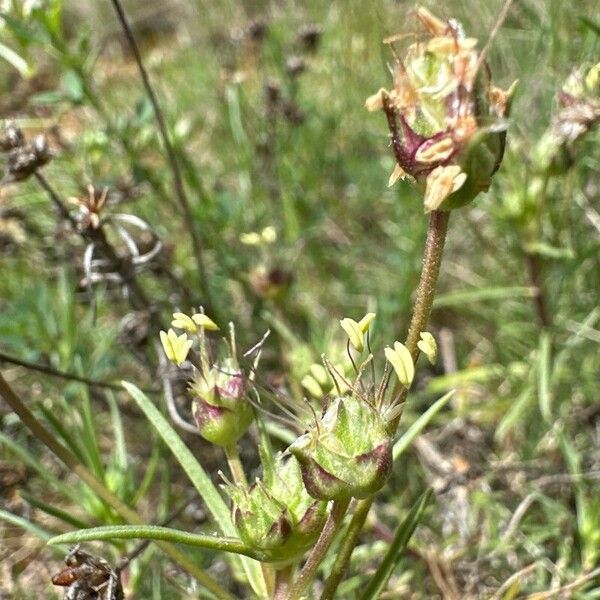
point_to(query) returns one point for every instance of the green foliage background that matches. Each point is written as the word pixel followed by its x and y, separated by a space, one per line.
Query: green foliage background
pixel 522 430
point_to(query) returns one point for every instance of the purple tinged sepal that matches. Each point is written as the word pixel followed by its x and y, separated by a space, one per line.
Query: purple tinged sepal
pixel 220 407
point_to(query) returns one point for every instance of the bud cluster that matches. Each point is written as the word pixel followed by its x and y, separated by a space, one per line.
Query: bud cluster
pixel 276 514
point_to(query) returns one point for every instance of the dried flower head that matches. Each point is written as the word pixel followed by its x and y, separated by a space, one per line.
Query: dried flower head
pixel 24 159
pixel 446 119
pixel 89 207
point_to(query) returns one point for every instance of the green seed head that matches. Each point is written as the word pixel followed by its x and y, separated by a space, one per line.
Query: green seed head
pixel 276 514
pixel 220 407
pixel 348 453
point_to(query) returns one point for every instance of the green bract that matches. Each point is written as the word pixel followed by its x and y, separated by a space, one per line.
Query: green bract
pixel 276 514
pixel 347 454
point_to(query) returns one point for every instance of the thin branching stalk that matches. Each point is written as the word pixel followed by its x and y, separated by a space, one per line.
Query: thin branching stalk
pixel 432 260
pixel 13 360
pixel 128 514
pixel 137 296
pixel 180 193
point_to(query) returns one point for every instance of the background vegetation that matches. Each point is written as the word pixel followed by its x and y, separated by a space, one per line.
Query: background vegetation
pixel 264 103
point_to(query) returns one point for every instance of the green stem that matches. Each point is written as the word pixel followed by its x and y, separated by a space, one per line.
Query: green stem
pixel 235 464
pixel 129 515
pixel 432 260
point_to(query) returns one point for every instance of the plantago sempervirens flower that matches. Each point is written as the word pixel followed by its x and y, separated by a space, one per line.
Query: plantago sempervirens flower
pixel 446 119
pixel 276 514
pixel 428 346
pixel 220 406
pixel 401 360
pixel 348 453
pixel 356 331
pixel 176 347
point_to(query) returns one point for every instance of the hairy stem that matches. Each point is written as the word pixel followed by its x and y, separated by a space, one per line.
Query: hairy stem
pixel 129 515
pixel 309 571
pixel 235 464
pixel 432 260
pixel 180 193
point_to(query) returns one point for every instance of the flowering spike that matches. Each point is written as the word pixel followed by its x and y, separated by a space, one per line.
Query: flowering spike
pixel 347 453
pixel 446 118
pixel 276 514
pixel 220 407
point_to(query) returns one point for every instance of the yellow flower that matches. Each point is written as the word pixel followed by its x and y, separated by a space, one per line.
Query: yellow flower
pixel 356 331
pixel 176 347
pixel 402 362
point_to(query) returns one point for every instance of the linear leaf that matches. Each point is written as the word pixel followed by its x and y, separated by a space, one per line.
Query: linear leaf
pixel 54 511
pixel 415 429
pixel 198 477
pixel 25 524
pixel 397 547
pixel 156 532
pixel 465 297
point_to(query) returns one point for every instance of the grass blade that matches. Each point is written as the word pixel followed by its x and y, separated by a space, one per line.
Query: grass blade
pixel 464 298
pixel 415 429
pixel 54 511
pixel 544 368
pixel 41 470
pixel 28 526
pixel 397 547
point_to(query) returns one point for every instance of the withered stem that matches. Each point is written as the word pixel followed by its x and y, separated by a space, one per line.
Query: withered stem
pixel 180 193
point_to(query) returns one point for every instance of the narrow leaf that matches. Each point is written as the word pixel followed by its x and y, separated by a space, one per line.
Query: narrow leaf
pixel 463 298
pixel 397 547
pixel 54 511
pixel 415 429
pixel 544 394
pixel 156 532
pixel 197 475
pixel 28 526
